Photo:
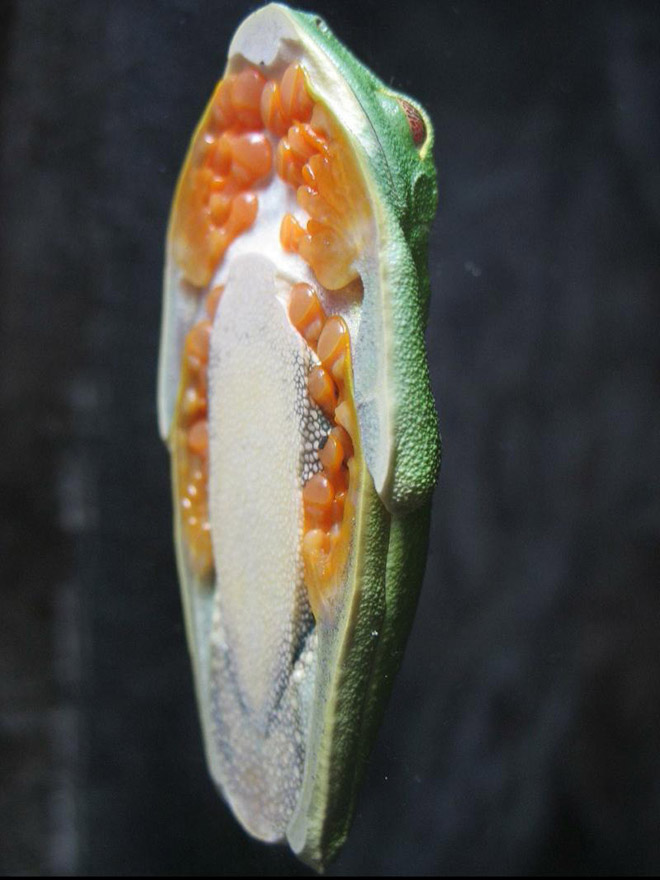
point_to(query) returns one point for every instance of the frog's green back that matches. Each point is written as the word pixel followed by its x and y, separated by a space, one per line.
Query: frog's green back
pixel 405 177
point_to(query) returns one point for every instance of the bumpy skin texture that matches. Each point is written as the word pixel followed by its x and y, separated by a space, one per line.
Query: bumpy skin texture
pixel 371 653
pixel 394 546
pixel 404 178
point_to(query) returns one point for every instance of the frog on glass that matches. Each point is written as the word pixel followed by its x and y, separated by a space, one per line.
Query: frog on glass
pixel 294 397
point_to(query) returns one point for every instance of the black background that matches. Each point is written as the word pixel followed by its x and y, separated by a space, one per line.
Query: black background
pixel 524 730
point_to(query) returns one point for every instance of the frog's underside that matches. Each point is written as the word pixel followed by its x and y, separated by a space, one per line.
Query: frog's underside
pixel 294 396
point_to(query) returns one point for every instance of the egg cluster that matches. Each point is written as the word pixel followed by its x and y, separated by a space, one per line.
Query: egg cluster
pixel 192 444
pixel 233 155
pixel 326 190
pixel 215 201
pixel 326 499
pixel 253 127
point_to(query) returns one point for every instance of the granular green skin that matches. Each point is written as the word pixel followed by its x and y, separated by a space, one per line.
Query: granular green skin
pixel 402 181
pixel 364 650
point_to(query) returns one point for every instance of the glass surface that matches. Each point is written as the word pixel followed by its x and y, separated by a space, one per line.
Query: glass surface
pixel 523 734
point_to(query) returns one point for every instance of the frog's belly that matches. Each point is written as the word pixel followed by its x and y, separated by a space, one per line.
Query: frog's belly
pixel 263 436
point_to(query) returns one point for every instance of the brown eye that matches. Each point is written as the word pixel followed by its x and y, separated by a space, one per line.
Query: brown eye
pixel 415 123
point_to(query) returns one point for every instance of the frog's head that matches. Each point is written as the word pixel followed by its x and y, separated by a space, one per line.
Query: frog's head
pixel 294 396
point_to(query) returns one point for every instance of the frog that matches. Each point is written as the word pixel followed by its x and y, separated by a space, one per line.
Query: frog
pixel 295 399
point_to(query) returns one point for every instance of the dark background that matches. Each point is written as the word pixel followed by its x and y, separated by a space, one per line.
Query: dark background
pixel 524 730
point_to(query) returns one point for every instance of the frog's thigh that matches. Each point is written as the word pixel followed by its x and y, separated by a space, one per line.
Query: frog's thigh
pixel 259 427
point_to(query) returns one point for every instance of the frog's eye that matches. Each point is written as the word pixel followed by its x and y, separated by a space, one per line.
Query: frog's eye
pixel 415 122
